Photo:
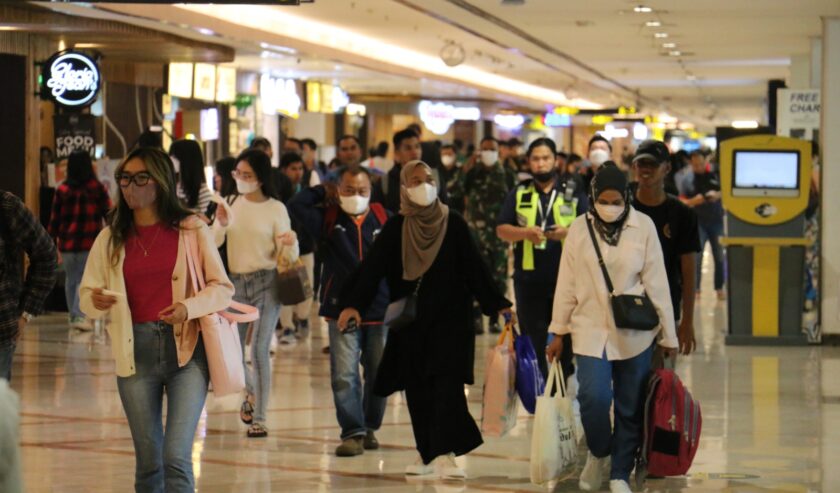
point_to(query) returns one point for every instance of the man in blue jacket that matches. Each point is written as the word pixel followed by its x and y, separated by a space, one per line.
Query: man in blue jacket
pixel 344 223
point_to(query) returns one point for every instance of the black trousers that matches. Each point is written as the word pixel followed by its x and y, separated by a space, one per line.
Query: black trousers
pixel 534 305
pixel 440 418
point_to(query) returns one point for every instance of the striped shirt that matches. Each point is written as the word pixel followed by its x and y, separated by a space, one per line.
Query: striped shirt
pixel 204 197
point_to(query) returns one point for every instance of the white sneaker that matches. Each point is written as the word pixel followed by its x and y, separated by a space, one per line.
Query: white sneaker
pixel 288 338
pixel 449 468
pixel 420 469
pixel 620 486
pixel 592 476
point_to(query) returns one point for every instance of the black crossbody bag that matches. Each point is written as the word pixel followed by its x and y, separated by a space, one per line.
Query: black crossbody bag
pixel 403 312
pixel 629 311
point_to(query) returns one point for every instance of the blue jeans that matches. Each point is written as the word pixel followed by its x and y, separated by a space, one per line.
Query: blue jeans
pixel 358 409
pixel 257 289
pixel 74 268
pixel 164 460
pixel 711 232
pixel 7 352
pixel 602 384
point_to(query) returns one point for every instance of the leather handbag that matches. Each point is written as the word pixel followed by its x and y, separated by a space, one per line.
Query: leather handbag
pixel 292 284
pixel 403 312
pixel 629 311
pixel 219 331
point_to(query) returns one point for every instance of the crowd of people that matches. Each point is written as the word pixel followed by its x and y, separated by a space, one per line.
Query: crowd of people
pixel 434 226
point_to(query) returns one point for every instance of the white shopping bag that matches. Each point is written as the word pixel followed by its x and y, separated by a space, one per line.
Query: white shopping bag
pixel 553 444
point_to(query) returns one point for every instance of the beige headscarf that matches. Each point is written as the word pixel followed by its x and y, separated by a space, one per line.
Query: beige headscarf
pixel 423 228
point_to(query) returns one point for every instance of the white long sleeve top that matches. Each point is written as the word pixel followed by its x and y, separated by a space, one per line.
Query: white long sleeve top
pixel 581 300
pixel 252 243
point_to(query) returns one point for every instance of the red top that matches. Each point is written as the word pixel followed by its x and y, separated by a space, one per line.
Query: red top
pixel 148 278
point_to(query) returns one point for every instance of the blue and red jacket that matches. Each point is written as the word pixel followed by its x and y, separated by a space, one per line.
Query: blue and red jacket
pixel 343 242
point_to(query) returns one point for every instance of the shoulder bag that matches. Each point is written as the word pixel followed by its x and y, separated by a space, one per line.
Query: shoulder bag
pixel 629 311
pixel 403 312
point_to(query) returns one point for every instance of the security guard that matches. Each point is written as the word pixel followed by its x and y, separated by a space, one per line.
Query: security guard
pixel 535 218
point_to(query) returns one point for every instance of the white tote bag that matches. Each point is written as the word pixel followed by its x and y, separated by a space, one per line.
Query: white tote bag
pixel 553 444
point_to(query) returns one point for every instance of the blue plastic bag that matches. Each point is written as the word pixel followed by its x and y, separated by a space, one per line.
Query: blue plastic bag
pixel 529 380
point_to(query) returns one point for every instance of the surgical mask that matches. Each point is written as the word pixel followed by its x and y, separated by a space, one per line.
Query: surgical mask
pixel 354 204
pixel 423 195
pixel 176 163
pixel 139 197
pixel 489 158
pixel 447 160
pixel 246 187
pixel 598 157
pixel 609 213
pixel 544 177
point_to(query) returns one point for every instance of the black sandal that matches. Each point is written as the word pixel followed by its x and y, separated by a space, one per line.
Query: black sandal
pixel 257 430
pixel 246 412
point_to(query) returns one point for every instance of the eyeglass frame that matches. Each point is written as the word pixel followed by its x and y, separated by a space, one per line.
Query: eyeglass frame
pixel 132 178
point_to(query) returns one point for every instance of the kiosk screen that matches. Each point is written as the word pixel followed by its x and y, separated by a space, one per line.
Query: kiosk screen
pixel 766 174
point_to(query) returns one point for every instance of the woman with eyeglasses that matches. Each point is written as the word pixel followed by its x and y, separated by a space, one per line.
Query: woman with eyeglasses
pixel 429 251
pixel 258 233
pixel 136 274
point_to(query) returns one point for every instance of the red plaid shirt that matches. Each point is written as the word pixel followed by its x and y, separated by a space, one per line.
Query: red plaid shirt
pixel 78 214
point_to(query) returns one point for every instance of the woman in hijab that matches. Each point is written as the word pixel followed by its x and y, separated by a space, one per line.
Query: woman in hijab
pixel 613 363
pixel 428 247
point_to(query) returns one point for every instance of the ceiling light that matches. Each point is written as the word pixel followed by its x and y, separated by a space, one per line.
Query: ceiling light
pixel 669 46
pixel 642 9
pixel 653 23
pixel 9 28
pixel 745 124
pixel 205 31
pixel 660 35
pixel 83 46
pixel 674 53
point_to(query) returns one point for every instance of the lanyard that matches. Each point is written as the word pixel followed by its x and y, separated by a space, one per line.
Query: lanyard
pixel 543 215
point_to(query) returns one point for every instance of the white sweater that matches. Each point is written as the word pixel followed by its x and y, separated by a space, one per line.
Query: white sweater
pixel 581 300
pixel 252 233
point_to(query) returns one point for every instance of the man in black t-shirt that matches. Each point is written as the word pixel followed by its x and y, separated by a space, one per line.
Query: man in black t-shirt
pixel 676 225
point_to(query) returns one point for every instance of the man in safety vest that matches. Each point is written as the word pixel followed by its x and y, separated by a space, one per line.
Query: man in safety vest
pixel 535 217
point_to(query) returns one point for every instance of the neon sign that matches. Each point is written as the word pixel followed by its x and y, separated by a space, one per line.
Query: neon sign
pixel 71 79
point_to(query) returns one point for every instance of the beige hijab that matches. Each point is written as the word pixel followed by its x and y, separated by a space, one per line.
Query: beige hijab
pixel 423 228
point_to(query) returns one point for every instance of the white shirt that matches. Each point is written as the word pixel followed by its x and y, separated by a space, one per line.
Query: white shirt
pixel 581 300
pixel 252 243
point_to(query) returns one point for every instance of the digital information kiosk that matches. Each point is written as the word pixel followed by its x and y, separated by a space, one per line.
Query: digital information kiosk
pixel 765 180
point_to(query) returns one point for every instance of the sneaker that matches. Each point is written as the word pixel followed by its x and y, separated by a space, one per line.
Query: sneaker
pixel 301 329
pixel 449 468
pixel 592 476
pixel 81 323
pixel 350 447
pixel 420 469
pixel 620 486
pixel 288 337
pixel 370 441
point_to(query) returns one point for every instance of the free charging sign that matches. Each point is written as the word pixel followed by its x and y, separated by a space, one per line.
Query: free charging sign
pixel 70 79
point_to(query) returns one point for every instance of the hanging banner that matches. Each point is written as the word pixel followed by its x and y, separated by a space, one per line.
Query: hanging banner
pixel 798 113
pixel 73 132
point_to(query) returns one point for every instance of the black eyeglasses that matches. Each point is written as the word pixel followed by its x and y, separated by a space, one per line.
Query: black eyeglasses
pixel 140 179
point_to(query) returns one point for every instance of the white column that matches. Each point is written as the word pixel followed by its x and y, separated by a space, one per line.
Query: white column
pixel 816 63
pixel 830 149
pixel 800 72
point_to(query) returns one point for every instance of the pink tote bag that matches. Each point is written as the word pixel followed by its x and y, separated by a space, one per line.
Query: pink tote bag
pixel 499 405
pixel 219 332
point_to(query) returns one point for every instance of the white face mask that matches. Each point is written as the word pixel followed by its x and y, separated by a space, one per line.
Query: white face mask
pixel 447 160
pixel 489 158
pixel 609 213
pixel 246 187
pixel 598 157
pixel 423 195
pixel 176 163
pixel 354 204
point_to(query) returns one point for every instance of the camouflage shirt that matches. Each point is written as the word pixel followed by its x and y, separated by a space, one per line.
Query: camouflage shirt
pixel 485 190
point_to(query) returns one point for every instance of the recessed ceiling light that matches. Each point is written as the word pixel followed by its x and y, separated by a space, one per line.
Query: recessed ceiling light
pixel 675 53
pixel 205 31
pixel 661 35
pixel 642 9
pixel 745 124
pixel 669 46
pixel 653 23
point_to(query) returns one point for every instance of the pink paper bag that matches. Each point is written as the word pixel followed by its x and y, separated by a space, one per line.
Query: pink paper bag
pixel 499 405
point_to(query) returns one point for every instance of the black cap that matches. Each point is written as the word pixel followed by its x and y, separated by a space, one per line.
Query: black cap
pixel 654 150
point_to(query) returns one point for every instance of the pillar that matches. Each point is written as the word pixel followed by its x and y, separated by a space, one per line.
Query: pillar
pixel 830 148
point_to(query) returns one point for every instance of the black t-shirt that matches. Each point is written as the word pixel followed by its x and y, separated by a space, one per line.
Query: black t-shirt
pixel 709 212
pixel 676 225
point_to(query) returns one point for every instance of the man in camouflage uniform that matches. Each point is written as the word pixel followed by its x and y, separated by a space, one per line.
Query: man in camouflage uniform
pixel 485 186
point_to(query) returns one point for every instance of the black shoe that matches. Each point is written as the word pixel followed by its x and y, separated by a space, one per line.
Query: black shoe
pixel 495 328
pixel 370 442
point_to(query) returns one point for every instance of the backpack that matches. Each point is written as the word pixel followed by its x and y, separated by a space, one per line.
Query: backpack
pixel 672 425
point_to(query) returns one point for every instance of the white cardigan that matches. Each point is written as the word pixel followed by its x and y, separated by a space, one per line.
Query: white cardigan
pixel 101 273
pixel 581 300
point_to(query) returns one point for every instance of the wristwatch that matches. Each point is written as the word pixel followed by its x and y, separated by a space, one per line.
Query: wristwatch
pixel 27 317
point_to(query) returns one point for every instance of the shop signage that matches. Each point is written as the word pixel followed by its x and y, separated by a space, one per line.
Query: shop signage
pixel 798 113
pixel 279 96
pixel 71 79
pixel 204 85
pixel 180 83
pixel 610 132
pixel 356 109
pixel 509 121
pixel 74 132
pixel 225 84
pixel 557 120
pixel 325 98
pixel 437 117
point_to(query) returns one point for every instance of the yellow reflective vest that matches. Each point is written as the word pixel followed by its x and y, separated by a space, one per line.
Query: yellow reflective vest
pixel 527 208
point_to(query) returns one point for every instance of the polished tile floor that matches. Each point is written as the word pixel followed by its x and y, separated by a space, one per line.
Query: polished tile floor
pixel 771 423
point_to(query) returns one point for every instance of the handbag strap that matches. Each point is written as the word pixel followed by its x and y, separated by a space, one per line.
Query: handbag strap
pixel 600 258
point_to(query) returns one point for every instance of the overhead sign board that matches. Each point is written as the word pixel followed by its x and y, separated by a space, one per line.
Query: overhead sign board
pixel 180 82
pixel 71 79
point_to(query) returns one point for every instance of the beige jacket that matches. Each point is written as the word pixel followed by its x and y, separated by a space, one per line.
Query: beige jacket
pixel 101 273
